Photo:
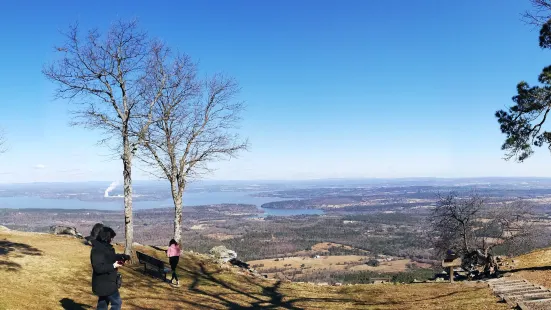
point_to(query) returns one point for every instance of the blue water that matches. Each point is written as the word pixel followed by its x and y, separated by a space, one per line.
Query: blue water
pixel 190 199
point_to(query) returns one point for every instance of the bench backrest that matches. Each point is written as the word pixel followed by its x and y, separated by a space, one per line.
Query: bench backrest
pixel 143 258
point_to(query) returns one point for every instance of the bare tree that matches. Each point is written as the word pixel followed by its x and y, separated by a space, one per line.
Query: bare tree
pixel 106 75
pixel 195 122
pixel 540 13
pixel 469 224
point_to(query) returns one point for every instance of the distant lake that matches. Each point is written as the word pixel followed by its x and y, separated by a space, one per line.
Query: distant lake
pixel 190 199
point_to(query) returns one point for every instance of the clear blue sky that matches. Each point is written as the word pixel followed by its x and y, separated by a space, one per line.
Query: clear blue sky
pixel 333 88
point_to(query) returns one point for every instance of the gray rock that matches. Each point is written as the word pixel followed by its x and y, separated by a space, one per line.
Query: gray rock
pixel 222 253
pixel 64 230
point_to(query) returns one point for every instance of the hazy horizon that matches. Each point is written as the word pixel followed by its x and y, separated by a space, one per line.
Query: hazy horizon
pixel 249 181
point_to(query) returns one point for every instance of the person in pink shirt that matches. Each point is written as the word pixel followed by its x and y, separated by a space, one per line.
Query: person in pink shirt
pixel 173 254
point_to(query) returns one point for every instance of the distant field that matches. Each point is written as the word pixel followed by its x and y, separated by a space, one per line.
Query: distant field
pixel 393 266
pixel 333 263
pixel 325 246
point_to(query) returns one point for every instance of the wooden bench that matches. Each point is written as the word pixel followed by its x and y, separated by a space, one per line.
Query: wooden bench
pixel 156 264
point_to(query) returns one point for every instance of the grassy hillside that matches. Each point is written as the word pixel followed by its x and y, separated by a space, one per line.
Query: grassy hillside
pixel 40 271
pixel 534 267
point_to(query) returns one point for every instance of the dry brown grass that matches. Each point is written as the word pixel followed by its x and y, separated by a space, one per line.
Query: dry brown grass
pixel 324 247
pixel 334 263
pixel 40 271
pixel 534 267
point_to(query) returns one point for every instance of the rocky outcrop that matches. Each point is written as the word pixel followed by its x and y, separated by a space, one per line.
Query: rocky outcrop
pixel 65 230
pixel 227 260
pixel 222 253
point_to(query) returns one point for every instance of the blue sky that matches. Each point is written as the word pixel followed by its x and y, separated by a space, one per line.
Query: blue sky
pixel 333 88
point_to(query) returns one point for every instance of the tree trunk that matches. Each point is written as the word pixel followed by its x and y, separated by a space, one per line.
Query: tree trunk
pixel 177 195
pixel 127 174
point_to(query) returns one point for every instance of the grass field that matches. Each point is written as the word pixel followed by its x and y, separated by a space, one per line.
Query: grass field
pixel 40 271
pixel 333 263
pixel 534 267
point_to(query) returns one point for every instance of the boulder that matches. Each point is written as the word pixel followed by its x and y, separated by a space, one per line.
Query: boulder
pixel 222 253
pixel 65 230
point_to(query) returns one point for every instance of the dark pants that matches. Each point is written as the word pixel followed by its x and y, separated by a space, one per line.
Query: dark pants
pixel 113 299
pixel 173 264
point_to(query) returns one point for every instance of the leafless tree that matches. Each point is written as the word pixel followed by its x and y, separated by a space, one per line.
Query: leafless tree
pixel 106 75
pixel 540 13
pixel 469 224
pixel 195 122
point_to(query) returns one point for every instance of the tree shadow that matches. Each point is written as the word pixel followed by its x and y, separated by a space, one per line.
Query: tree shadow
pixel 539 268
pixel 7 247
pixel 208 286
pixel 15 249
pixel 265 295
pixel 9 266
pixel 270 297
pixel 69 304
pixel 158 248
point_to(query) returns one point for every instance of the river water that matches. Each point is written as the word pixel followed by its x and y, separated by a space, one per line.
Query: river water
pixel 116 203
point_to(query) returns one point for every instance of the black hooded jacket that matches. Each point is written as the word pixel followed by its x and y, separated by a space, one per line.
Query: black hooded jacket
pixel 104 275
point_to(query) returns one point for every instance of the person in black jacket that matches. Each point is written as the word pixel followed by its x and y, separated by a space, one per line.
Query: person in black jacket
pixel 104 270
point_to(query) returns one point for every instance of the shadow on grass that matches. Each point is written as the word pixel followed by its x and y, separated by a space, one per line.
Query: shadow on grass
pixel 539 268
pixel 7 247
pixel 207 286
pixel 69 304
pixel 9 266
pixel 158 248
pixel 272 297
pixel 15 249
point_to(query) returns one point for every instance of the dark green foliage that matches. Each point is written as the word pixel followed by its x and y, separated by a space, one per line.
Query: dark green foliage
pixel 415 274
pixel 523 122
pixel 373 263
pixel 545 35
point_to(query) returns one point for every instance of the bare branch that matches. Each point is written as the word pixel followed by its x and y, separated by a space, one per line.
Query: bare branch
pixel 191 122
pixel 105 77
pixel 540 13
pixel 467 224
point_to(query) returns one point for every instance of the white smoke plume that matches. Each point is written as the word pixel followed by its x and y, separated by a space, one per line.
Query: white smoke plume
pixel 110 188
